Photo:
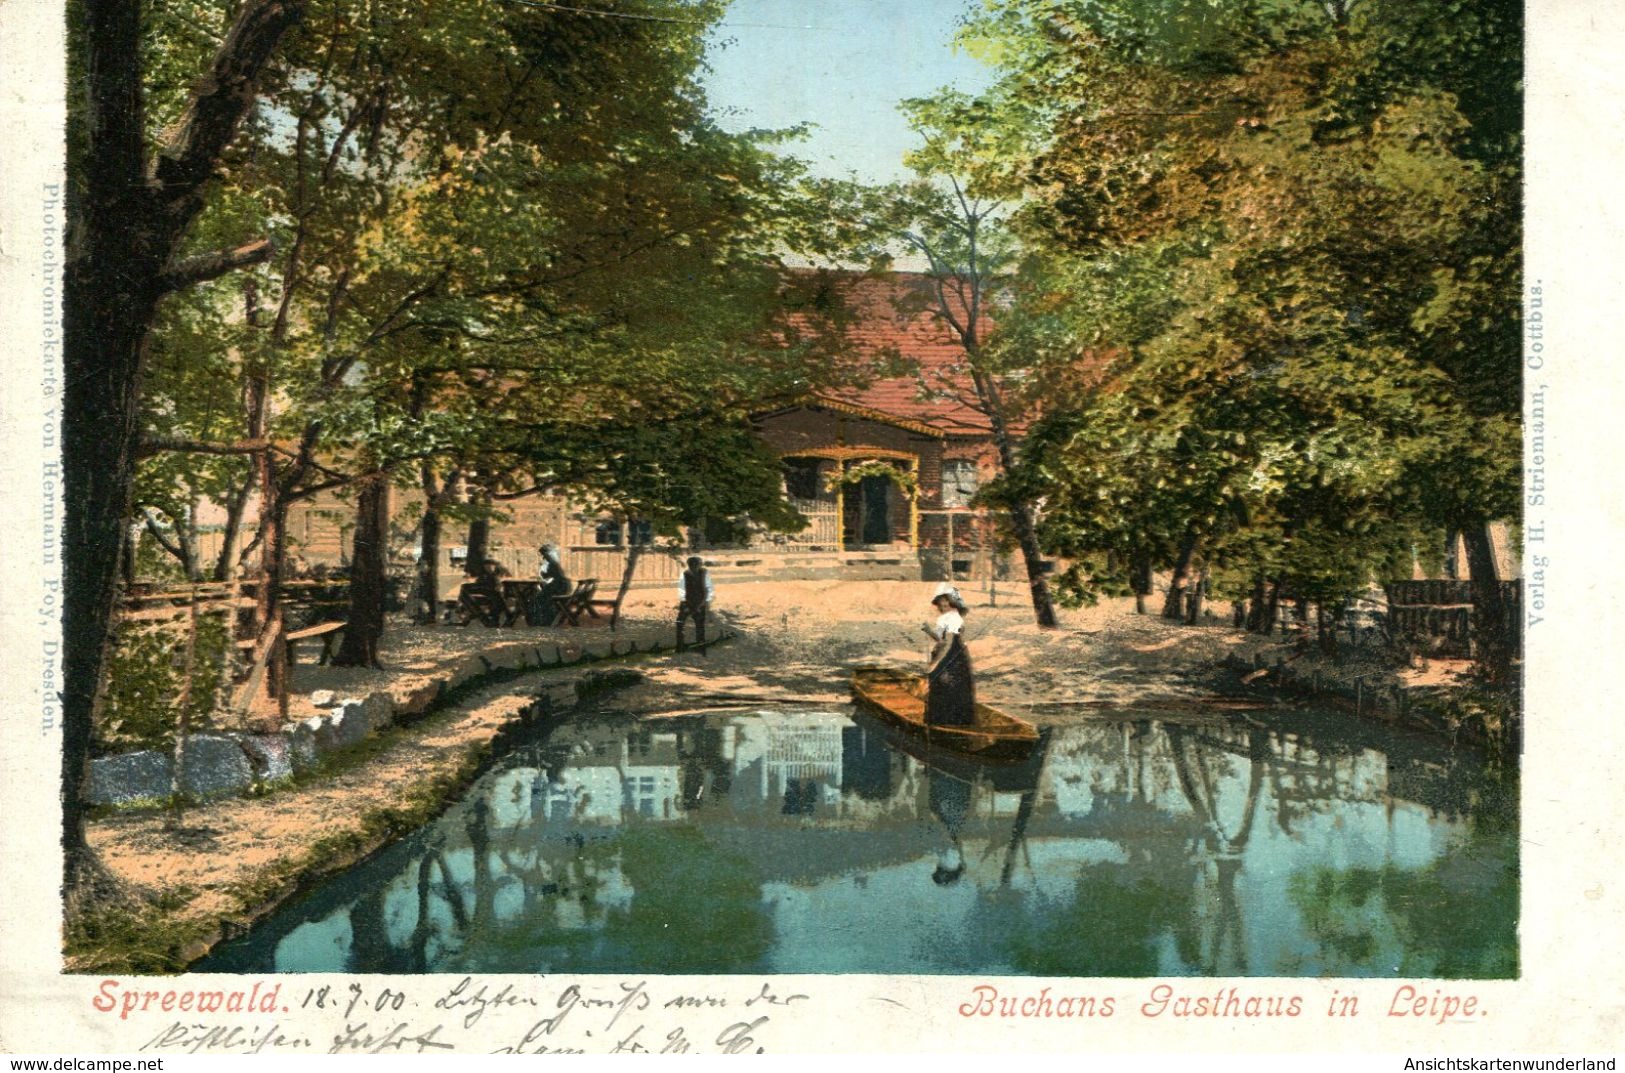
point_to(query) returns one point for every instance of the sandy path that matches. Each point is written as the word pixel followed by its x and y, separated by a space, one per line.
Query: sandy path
pixel 799 640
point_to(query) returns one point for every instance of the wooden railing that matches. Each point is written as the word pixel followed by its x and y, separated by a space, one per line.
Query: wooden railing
pixel 1439 614
pixel 823 529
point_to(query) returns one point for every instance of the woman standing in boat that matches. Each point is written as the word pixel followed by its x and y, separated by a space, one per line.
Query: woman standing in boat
pixel 951 694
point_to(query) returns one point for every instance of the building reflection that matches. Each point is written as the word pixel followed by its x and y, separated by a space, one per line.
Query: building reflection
pixel 600 845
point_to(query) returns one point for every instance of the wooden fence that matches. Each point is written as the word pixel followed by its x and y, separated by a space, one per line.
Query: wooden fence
pixel 249 658
pixel 1438 615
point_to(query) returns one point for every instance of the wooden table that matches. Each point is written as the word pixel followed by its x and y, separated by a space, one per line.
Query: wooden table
pixel 518 598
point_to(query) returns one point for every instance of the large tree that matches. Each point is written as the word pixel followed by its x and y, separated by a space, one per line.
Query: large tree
pixel 1295 224
pixel 451 205
pixel 132 198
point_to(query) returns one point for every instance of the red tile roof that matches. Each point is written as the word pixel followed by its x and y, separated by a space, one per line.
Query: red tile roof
pixel 896 316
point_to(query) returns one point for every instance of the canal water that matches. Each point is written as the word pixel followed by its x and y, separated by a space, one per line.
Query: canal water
pixel 802 840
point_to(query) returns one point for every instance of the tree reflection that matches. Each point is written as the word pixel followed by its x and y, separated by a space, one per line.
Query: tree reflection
pixel 1132 848
pixel 698 907
pixel 1455 918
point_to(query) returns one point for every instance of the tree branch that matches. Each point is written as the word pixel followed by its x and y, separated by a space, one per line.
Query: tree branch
pixel 188 156
pixel 158 534
pixel 155 445
pixel 207 266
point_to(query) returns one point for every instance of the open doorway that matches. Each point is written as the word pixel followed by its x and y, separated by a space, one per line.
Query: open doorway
pixel 866 506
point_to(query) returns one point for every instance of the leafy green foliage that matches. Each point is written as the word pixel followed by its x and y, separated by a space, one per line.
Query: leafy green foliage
pixel 1270 291
pixel 146 678
pixel 858 472
pixel 504 234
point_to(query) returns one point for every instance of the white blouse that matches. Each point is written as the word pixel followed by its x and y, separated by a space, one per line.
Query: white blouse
pixel 949 622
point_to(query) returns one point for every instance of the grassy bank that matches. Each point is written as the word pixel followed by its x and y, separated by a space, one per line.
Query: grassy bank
pixel 231 862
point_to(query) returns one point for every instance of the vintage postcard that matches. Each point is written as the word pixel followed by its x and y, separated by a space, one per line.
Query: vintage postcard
pixel 719 526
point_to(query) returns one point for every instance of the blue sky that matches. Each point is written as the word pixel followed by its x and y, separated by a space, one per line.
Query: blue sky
pixel 842 65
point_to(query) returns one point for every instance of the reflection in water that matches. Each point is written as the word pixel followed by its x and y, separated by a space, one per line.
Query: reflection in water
pixel 803 841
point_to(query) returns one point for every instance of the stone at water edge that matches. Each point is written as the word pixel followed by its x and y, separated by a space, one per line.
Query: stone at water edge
pixel 511 658
pixel 215 764
pixel 350 722
pixel 419 700
pixel 465 672
pixel 302 743
pixel 129 777
pixel 325 729
pixel 271 755
pixel 379 711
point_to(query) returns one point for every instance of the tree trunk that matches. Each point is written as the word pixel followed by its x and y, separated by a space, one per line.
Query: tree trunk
pixel 368 575
pixel 1494 634
pixel 479 540
pixel 1173 606
pixel 1021 520
pixel 123 230
pixel 1021 512
pixel 273 552
pixel 1272 607
pixel 270 533
pixel 633 553
pixel 129 549
pixel 1194 601
pixel 225 564
pixel 183 720
pixel 1328 626
pixel 1140 580
pixel 1452 564
pixel 109 297
pixel 183 548
pixel 1255 609
pixel 429 562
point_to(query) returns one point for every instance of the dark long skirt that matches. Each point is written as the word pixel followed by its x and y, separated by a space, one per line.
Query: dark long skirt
pixel 544 607
pixel 951 697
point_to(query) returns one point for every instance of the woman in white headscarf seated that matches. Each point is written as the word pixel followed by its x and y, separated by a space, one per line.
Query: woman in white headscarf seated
pixel 544 609
pixel 951 697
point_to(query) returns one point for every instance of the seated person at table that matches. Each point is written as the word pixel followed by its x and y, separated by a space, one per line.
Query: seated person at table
pixel 544 609
pixel 481 595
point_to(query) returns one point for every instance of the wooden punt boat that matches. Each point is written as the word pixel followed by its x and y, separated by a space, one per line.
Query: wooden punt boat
pixel 897 699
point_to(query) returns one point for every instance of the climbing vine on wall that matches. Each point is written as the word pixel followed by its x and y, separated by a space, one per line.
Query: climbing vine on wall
pixel 874 467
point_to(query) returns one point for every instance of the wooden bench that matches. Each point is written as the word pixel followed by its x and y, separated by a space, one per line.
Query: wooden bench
pixel 327 631
pixel 583 601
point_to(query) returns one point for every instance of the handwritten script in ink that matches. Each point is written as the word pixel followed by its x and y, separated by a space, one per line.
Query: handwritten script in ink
pixel 533 1015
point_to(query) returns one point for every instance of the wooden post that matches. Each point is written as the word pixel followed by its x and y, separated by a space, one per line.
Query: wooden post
pixel 183 715
pixel 840 515
pixel 914 517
